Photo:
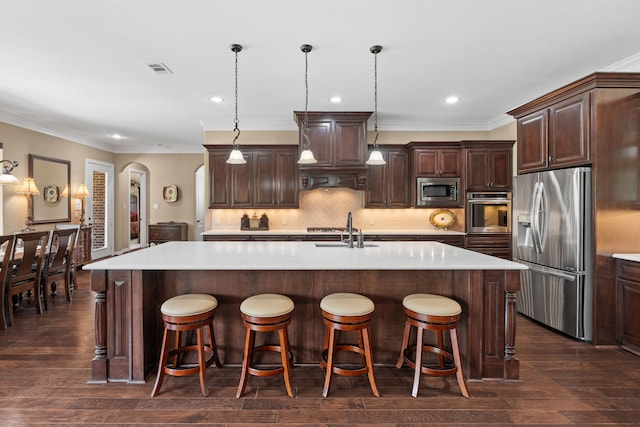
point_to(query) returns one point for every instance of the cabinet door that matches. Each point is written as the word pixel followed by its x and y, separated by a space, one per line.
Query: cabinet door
pixel 569 132
pixel 532 141
pixel 241 178
pixel 320 137
pixel 349 149
pixel 449 163
pixel 219 180
pixel 398 179
pixel 477 169
pixel 287 179
pixel 426 162
pixel 500 169
pixel 377 184
pixel 264 179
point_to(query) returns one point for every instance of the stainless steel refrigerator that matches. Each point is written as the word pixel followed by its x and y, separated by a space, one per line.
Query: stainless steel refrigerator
pixel 552 235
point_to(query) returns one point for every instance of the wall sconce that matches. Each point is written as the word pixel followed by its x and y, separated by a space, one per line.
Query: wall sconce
pixel 29 189
pixel 6 177
pixel 82 193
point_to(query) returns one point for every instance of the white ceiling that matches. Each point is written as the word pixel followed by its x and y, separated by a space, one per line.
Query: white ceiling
pixel 78 69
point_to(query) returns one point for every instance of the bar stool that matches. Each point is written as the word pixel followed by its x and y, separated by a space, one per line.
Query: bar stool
pixel 187 313
pixel 433 313
pixel 266 313
pixel 347 312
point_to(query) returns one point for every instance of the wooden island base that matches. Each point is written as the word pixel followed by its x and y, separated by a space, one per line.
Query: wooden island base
pixel 128 325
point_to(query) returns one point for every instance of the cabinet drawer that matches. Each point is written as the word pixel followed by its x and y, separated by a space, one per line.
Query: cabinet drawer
pixel 489 241
pixel 628 270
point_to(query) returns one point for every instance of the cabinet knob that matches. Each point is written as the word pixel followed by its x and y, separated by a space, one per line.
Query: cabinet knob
pixel 551 159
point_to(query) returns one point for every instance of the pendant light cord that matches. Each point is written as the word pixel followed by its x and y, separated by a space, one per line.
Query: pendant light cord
pixel 236 122
pixel 375 99
pixel 305 131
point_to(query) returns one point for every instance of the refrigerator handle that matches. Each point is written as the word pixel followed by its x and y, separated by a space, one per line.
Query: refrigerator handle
pixel 549 271
pixel 539 217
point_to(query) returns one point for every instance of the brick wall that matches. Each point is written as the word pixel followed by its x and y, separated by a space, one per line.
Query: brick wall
pixel 99 209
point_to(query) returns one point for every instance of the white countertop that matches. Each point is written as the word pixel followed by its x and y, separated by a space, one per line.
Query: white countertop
pixel 628 257
pixel 302 256
pixel 305 232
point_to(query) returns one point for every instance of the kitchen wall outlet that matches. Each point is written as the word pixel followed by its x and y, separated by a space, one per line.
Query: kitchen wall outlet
pixel 217 220
pixel 284 220
pixel 371 221
pixel 155 206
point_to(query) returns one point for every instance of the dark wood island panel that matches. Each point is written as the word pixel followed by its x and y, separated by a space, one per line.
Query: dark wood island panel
pixel 128 326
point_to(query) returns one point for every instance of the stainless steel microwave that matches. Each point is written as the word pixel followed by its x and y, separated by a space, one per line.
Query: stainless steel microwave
pixel 438 192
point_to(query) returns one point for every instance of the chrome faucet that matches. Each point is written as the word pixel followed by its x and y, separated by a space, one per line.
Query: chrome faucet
pixel 350 230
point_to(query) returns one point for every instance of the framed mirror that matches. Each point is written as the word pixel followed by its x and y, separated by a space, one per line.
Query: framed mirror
pixel 52 178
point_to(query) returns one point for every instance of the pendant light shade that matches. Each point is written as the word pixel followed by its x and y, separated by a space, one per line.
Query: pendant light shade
pixel 6 177
pixel 236 157
pixel 306 156
pixel 375 158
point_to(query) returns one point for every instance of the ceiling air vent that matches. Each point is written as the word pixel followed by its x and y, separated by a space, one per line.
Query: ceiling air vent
pixel 160 68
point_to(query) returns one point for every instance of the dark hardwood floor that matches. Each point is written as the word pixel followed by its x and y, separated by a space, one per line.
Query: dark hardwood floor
pixel 44 368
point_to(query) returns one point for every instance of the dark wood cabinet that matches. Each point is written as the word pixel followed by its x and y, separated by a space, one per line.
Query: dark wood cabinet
pixel 628 302
pixel 489 165
pixel 388 185
pixel 592 121
pixel 338 139
pixel 167 231
pixel 439 160
pixel 556 136
pixel 495 244
pixel 269 179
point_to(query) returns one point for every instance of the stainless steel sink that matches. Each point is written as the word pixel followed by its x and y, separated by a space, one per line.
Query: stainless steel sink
pixel 343 245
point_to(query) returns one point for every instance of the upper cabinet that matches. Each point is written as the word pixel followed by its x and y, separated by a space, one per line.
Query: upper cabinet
pixel 488 165
pixel 436 159
pixel 338 139
pixel 387 184
pixel 556 136
pixel 269 179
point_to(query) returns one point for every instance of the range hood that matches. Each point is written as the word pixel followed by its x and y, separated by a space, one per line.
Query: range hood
pixel 336 177
pixel 339 143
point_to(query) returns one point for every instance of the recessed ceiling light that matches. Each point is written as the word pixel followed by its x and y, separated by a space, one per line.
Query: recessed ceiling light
pixel 452 99
pixel 117 136
pixel 335 99
pixel 217 99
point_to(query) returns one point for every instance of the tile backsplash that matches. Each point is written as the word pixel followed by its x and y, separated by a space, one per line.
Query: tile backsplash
pixel 328 207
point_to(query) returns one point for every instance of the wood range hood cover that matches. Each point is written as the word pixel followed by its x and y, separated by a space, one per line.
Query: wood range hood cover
pixel 339 143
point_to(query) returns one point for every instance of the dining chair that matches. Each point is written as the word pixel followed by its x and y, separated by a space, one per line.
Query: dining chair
pixel 23 271
pixel 59 264
pixel 74 255
pixel 6 243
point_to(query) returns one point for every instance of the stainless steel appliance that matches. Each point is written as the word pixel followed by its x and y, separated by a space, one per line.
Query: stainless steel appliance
pixel 552 235
pixel 438 191
pixel 488 212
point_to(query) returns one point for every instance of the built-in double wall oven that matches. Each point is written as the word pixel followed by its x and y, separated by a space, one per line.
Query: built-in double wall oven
pixel 488 212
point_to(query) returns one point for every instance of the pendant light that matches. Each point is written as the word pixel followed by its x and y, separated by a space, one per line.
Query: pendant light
pixel 306 156
pixel 235 157
pixel 375 158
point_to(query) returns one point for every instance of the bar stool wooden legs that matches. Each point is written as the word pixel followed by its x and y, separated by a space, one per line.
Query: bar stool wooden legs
pixel 347 312
pixel 433 313
pixel 187 313
pixel 266 313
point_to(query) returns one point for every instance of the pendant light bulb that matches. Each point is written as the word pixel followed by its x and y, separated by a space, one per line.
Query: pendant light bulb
pixel 306 155
pixel 375 157
pixel 236 157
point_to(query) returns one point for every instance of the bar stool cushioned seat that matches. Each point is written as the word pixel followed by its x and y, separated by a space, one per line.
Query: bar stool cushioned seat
pixel 266 313
pixel 435 313
pixel 347 312
pixel 187 313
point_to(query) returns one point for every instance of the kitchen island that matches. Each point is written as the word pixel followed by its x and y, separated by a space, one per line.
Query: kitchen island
pixel 130 289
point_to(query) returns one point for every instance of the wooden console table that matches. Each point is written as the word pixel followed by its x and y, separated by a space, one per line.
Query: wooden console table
pixel 167 232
